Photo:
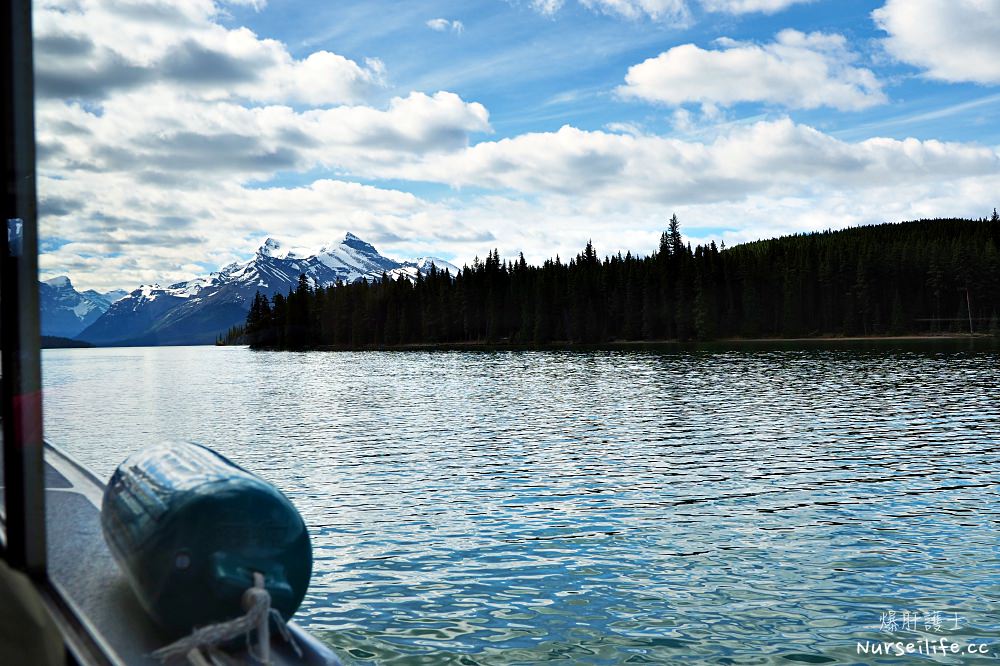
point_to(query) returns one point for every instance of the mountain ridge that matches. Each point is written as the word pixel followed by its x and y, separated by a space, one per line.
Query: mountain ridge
pixel 196 311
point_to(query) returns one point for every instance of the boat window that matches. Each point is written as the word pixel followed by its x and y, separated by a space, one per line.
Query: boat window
pixel 417 266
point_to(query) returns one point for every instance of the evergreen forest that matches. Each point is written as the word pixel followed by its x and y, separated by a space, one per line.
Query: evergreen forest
pixel 922 277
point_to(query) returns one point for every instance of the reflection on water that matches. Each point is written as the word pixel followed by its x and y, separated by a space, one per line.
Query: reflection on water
pixel 727 506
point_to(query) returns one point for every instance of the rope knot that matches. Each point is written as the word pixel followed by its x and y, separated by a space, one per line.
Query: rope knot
pixel 257 603
pixel 254 596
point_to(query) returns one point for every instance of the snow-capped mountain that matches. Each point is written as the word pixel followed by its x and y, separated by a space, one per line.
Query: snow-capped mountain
pixel 197 311
pixel 108 296
pixel 65 311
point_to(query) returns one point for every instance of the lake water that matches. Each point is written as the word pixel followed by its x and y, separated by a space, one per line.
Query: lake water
pixel 728 506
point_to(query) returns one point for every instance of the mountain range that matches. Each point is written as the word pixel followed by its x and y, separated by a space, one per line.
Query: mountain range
pixel 198 310
pixel 66 311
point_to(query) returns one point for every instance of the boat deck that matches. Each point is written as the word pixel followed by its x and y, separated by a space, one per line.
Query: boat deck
pixel 81 565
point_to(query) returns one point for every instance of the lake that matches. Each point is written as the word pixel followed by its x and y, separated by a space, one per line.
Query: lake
pixel 743 505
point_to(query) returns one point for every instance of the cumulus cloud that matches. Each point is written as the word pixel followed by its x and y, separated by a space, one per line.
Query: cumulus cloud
pixel 91 50
pixel 444 25
pixel 748 6
pixel 797 70
pixel 952 41
pixel 762 158
pixel 179 139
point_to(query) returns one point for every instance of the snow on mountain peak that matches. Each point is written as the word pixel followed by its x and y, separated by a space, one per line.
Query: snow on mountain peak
pixel 355 243
pixel 424 265
pixel 197 310
pixel 272 248
pixel 64 310
pixel 275 249
pixel 60 282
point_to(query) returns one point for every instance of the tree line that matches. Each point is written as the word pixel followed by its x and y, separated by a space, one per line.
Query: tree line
pixel 927 276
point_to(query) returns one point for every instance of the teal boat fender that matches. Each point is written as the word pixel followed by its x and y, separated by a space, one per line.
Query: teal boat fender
pixel 190 528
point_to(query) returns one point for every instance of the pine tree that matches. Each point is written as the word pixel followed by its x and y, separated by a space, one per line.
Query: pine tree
pixel 274 336
pixel 897 325
pixel 676 244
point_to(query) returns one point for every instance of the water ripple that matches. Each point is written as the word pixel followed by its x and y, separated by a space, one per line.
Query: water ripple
pixel 733 507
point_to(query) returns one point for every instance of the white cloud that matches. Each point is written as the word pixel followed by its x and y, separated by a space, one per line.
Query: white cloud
pixel 624 128
pixel 683 121
pixel 256 5
pixel 444 25
pixel 797 70
pixel 765 158
pixel 674 11
pixel 179 139
pixel 547 7
pixel 95 49
pixel 958 40
pixel 748 6
pixel 658 10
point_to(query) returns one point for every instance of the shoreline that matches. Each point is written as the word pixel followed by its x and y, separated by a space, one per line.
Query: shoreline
pixel 640 344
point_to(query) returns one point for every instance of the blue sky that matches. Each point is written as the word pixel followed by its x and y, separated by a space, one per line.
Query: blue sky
pixel 537 72
pixel 175 136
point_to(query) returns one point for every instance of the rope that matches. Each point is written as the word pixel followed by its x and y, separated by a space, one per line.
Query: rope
pixel 257 603
pixel 263 622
